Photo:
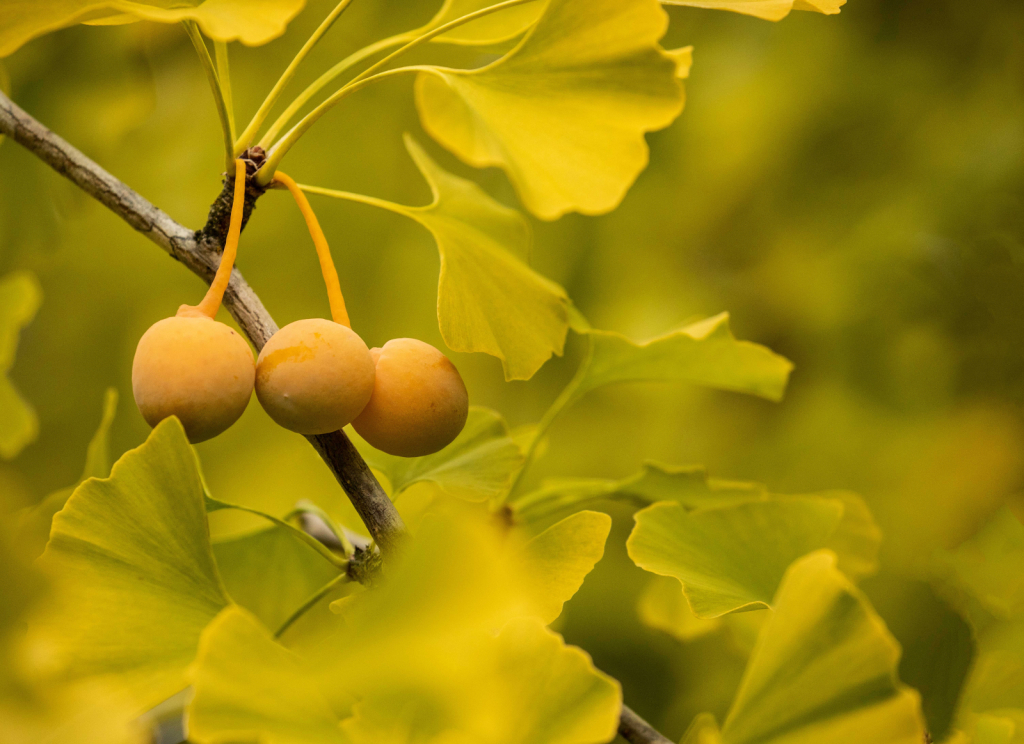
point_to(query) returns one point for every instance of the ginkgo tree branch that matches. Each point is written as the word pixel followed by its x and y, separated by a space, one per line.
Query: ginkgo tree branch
pixel 200 252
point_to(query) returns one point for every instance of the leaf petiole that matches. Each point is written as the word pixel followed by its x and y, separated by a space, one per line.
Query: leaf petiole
pixel 311 602
pixel 242 142
pixel 192 29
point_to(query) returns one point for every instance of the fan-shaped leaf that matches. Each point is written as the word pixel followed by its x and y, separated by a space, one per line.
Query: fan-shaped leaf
pixel 664 607
pixel 730 558
pixel 823 669
pixel 252 22
pixel 489 29
pixel 772 10
pixel 477 466
pixel 138 582
pixel 20 297
pixel 565 112
pixel 488 298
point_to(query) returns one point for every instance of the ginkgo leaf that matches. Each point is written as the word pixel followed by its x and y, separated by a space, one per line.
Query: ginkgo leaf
pixel 565 112
pixel 271 573
pixel 34 523
pixel 557 560
pixel 488 298
pixel 249 687
pixel 703 353
pixel 730 558
pixel 688 485
pixel 489 29
pixel 20 297
pixel 823 669
pixel 772 10
pixel 138 582
pixel 252 22
pixel 477 466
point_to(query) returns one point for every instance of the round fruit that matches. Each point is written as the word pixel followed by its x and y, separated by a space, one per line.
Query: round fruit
pixel 196 369
pixel 419 403
pixel 314 376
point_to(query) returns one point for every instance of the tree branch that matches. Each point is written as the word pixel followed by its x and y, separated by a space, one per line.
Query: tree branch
pixel 200 253
pixel 636 730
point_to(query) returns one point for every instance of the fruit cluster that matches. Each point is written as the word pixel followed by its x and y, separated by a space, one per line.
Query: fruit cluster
pixel 313 376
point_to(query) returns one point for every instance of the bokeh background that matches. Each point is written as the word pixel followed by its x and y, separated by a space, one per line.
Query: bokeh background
pixel 851 188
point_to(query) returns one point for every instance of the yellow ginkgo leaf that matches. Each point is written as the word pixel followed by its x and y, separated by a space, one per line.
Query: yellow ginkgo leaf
pixel 252 22
pixel 565 112
pixel 488 297
pixel 771 10
pixel 489 29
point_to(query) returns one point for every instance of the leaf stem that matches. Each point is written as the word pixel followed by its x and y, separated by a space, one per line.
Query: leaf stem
pixel 311 602
pixel 220 49
pixel 242 142
pixel 323 81
pixel 280 149
pixel 192 29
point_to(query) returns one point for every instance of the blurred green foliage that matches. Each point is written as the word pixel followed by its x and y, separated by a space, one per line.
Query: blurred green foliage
pixel 850 188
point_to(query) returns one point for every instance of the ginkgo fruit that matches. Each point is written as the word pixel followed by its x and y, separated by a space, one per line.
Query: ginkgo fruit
pixel 314 376
pixel 419 402
pixel 192 366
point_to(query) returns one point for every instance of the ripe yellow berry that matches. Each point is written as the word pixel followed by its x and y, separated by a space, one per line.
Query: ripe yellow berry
pixel 419 402
pixel 196 369
pixel 314 376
